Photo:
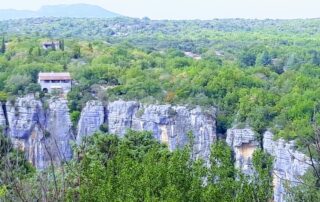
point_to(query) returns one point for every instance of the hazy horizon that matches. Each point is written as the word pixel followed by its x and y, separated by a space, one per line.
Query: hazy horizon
pixel 190 9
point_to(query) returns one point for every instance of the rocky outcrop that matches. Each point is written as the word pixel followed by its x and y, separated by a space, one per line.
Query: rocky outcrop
pixel 289 164
pixel 58 131
pixel 120 115
pixel 243 143
pixel 23 114
pixel 92 117
pixel 169 124
pixel 43 131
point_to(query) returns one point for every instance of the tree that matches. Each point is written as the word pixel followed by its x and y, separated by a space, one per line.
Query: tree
pixel 53 45
pixel 61 44
pixel 16 84
pixel 264 59
pixel 262 163
pixel 247 59
pixel 90 47
pixel 76 52
pixel 33 88
pixel 222 174
pixel 14 168
pixel 3 46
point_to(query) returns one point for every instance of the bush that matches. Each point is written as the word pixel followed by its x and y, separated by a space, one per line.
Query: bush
pixel 17 83
pixel 3 96
pixel 104 128
pixel 75 116
pixel 33 88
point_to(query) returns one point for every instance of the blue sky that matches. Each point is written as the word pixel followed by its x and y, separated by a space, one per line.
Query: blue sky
pixel 191 9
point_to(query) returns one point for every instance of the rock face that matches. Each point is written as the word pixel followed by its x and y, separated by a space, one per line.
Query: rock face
pixel 289 164
pixel 92 117
pixel 58 129
pixel 120 115
pixel 171 125
pixel 243 143
pixel 168 124
pixel 23 114
pixel 42 132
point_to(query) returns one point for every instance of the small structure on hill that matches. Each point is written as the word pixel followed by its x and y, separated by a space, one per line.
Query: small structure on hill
pixel 53 45
pixel 193 55
pixel 55 82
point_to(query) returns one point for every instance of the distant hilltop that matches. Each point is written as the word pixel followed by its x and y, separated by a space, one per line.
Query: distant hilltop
pixel 73 10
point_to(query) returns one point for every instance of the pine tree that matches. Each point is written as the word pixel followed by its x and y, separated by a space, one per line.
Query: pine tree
pixel 3 46
pixel 90 47
pixel 61 44
pixel 53 46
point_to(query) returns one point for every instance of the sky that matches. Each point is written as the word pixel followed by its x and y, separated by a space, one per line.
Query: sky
pixel 190 9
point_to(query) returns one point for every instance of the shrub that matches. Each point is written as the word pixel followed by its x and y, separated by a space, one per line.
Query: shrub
pixel 75 116
pixel 104 128
pixel 3 96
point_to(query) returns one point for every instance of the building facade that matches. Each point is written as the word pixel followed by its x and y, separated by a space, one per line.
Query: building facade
pixel 54 82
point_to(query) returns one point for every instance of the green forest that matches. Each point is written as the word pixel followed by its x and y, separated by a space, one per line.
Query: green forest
pixel 264 74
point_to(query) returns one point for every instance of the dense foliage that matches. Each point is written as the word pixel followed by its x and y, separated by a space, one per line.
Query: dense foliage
pixel 139 168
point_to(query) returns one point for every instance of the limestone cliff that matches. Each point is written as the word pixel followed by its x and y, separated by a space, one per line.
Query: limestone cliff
pixel 169 124
pixel 43 130
pixel 92 117
pixel 289 164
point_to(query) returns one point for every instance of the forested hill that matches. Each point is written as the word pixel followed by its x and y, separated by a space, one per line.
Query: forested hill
pixel 191 35
pixel 74 10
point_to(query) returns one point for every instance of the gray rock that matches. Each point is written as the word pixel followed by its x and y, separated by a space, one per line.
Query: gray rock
pixel 171 126
pixel 92 117
pixel 120 115
pixel 243 143
pixel 289 164
pixel 44 134
pixel 167 123
pixel 23 115
pixel 33 147
pixel 59 131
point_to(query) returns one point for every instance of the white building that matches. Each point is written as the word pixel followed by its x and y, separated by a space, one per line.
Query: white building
pixel 51 45
pixel 55 82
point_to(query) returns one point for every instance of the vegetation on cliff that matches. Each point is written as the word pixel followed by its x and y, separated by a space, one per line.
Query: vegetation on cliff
pixel 139 168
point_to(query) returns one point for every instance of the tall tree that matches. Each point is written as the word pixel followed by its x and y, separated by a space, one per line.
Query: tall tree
pixel 61 44
pixel 3 46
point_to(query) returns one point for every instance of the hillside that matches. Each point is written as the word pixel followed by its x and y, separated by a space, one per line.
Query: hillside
pixel 74 10
pixel 193 85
